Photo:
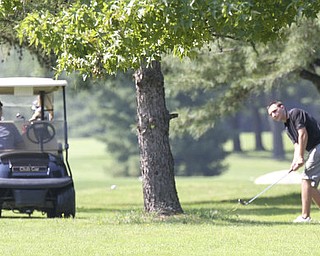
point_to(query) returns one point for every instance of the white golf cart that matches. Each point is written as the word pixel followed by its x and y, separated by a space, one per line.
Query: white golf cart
pixel 34 171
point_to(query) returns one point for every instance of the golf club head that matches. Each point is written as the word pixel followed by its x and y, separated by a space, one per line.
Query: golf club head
pixel 240 201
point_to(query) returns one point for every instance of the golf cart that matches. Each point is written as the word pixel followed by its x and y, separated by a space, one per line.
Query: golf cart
pixel 34 171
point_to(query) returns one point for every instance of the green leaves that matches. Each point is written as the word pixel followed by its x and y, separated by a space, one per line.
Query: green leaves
pixel 98 37
pixel 10 7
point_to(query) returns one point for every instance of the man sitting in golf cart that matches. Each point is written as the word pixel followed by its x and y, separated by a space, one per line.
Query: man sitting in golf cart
pixel 10 138
pixel 48 108
pixel 40 132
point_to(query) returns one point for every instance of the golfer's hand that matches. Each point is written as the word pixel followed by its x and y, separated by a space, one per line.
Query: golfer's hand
pixel 297 163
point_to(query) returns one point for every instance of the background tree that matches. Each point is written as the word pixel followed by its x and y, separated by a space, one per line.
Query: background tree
pixel 251 68
pixel 234 123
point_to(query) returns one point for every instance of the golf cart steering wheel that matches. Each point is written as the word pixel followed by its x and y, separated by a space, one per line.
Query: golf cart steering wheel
pixel 43 132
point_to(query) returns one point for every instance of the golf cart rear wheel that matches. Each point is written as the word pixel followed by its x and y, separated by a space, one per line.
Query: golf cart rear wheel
pixel 65 205
pixel 51 213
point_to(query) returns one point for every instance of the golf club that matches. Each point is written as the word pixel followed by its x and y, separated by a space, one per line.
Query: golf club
pixel 240 201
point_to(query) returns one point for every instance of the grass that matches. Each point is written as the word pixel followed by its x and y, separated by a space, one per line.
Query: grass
pixel 112 222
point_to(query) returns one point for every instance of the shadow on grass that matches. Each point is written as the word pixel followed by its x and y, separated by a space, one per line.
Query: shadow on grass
pixel 289 199
pixel 228 212
pixel 248 154
pixel 266 154
pixel 23 216
pixel 111 208
pixel 224 213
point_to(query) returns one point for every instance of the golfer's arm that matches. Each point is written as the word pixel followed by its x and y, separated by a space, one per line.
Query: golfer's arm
pixel 302 142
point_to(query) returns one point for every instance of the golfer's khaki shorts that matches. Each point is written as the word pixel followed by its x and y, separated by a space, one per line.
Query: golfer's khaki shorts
pixel 312 167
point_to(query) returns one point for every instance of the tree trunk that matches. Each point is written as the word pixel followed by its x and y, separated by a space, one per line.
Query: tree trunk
pixel 156 160
pixel 234 121
pixel 277 151
pixel 276 129
pixel 257 129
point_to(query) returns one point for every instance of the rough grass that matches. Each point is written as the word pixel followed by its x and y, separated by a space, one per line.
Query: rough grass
pixel 112 221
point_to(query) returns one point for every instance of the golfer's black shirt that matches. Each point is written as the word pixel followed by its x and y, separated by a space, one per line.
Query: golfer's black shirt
pixel 297 119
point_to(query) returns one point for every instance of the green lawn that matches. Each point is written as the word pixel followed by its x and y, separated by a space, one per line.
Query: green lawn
pixel 112 221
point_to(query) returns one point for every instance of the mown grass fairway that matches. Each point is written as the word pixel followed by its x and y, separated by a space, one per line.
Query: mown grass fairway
pixel 112 221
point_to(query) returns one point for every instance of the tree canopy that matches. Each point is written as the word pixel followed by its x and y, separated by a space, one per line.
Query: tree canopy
pixel 235 70
pixel 98 37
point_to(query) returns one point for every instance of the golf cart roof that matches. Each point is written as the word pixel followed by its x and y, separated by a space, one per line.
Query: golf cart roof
pixel 29 85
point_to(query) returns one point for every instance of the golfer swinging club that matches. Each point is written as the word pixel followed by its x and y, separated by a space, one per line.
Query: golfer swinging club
pixel 304 132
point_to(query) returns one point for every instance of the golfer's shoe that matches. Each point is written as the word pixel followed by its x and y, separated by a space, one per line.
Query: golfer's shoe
pixel 301 219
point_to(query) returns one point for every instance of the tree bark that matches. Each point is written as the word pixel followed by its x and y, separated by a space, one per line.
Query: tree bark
pixel 257 129
pixel 234 121
pixel 276 129
pixel 277 151
pixel 156 160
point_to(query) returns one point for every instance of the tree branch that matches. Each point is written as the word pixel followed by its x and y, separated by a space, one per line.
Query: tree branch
pixel 312 77
pixel 317 62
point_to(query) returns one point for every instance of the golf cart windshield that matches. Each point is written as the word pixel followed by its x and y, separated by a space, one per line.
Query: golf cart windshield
pixel 29 121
